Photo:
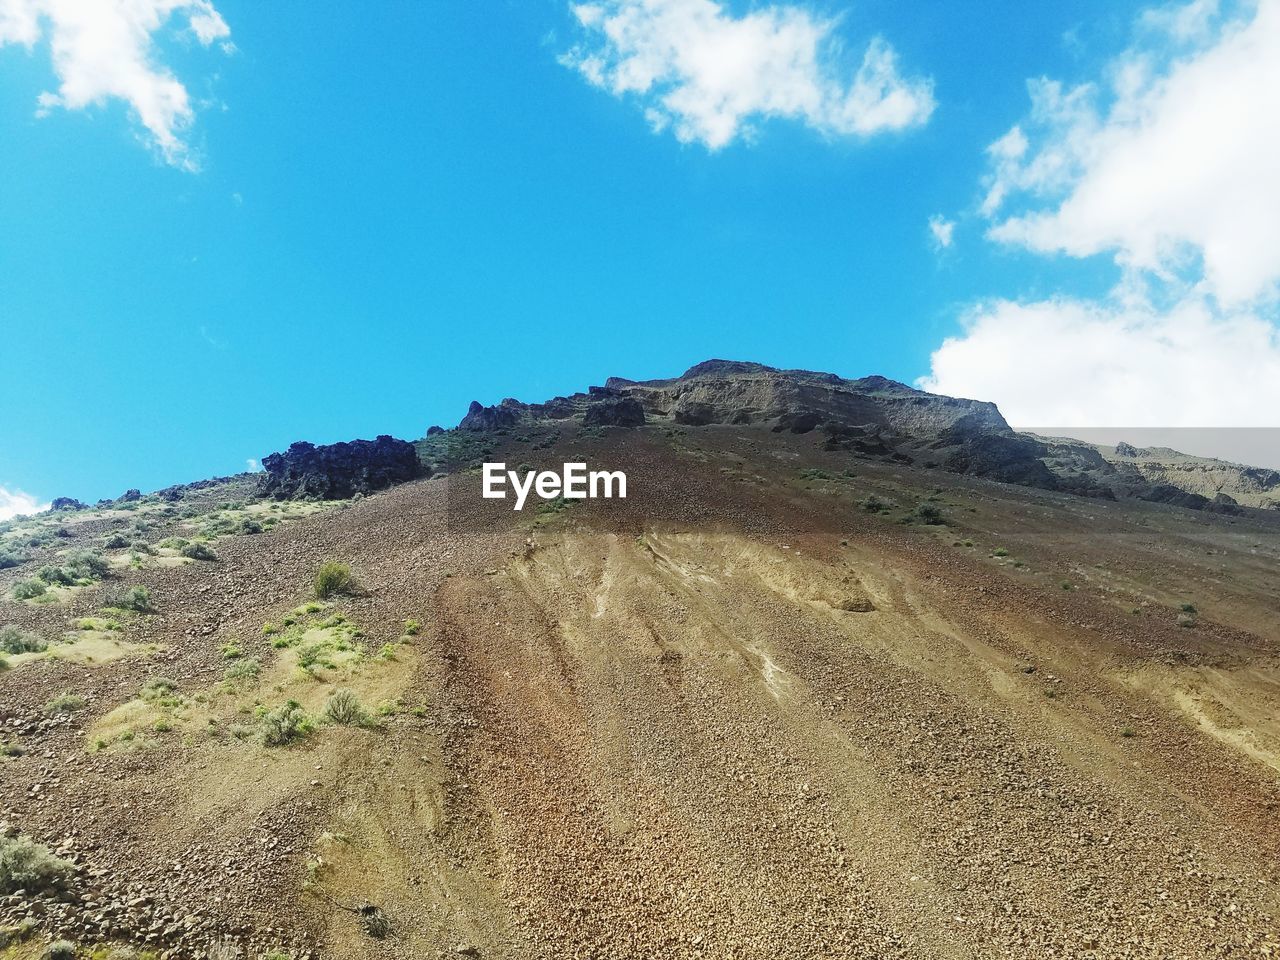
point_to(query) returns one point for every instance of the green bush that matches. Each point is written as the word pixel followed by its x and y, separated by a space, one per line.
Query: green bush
pixel 65 703
pixel 345 708
pixel 55 576
pixel 116 541
pixel 927 513
pixel 333 578
pixel 28 589
pixel 59 950
pixel 26 865
pixel 172 543
pixel 283 724
pixel 159 690
pixel 249 525
pixel 242 670
pixel 199 551
pixel 10 559
pixel 15 641
pixel 87 564
pixel 136 598
pixel 411 627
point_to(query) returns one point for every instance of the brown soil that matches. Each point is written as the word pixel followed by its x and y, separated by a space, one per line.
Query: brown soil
pixel 735 716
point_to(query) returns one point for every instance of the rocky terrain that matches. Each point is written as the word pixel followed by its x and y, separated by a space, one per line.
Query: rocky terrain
pixel 877 416
pixel 822 685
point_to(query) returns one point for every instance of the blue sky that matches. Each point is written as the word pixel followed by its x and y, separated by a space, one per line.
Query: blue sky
pixel 357 223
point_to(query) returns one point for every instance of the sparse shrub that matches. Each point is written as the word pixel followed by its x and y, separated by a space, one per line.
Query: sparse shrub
pixel 231 650
pixel 59 950
pixel 1128 732
pixel 172 543
pixel 332 579
pixel 199 551
pixel 65 703
pixel 1188 608
pixel 283 724
pixel 27 865
pixel 117 541
pixel 242 670
pixel 411 627
pixel 15 641
pixel 4 663
pixel 87 564
pixel 874 504
pixel 1067 585
pixel 310 655
pixel 160 691
pixel 999 552
pixel 136 598
pixel 10 559
pixel 345 708
pixel 55 576
pixel 249 525
pixel 269 629
pixel 928 514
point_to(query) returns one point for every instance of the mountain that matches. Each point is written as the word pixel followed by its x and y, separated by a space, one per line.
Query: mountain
pixel 825 683
pixel 880 417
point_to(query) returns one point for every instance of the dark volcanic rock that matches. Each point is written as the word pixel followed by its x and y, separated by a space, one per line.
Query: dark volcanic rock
pixel 434 429
pixel 66 503
pixel 505 414
pixel 339 470
pixel 614 412
pixel 1006 457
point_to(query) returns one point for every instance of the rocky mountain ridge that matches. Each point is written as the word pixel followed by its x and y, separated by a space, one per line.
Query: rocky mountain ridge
pixel 878 417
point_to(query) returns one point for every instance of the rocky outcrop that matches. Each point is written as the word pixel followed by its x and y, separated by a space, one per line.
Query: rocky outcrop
pixel 614 412
pixel 340 470
pixel 878 417
pixel 500 417
pixel 66 503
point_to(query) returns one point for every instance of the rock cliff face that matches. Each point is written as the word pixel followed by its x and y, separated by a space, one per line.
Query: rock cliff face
pixel 339 470
pixel 873 416
pixel 878 417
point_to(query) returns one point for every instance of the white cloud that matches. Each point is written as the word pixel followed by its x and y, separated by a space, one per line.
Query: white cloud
pixel 1169 164
pixel 253 465
pixel 941 229
pixel 1075 363
pixel 104 50
pixel 15 503
pixel 694 67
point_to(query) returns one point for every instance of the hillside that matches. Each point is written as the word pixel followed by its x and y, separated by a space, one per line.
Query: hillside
pixel 853 671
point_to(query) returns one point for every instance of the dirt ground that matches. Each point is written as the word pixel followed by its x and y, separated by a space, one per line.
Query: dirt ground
pixel 738 715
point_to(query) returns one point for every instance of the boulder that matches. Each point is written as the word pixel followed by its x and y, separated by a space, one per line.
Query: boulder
pixel 339 470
